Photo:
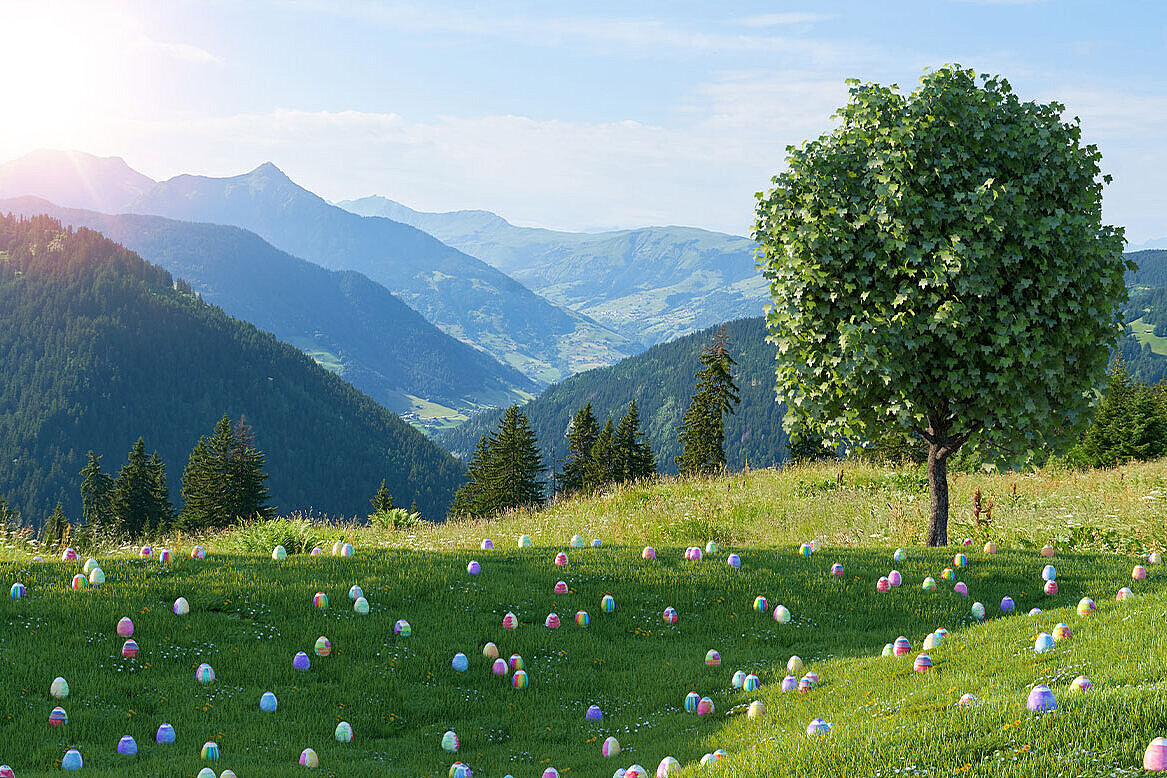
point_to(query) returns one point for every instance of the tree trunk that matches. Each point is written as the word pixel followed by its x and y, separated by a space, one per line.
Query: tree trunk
pixel 938 491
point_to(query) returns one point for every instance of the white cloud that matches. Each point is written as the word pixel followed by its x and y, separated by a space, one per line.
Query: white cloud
pixel 180 52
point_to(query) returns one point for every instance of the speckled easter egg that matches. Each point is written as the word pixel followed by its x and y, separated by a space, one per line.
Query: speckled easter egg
pixel 1081 684
pixel 309 759
pixel 460 663
pixel 520 680
pixel 692 699
pixel 487 544
pixel 712 658
pixel 1155 558
pixel 210 751
pixel 1086 607
pixel 127 746
pixel 516 662
pixel 978 610
pixel 738 680
pixel 361 606
pixel 790 683
pixel 552 621
pixel 460 770
pixel 929 584
pixel 581 618
pixel 607 603
pixel 1041 699
pixel 198 552
pixel 347 550
pixel 990 547
pixel 669 616
pixel 1051 587
pixel 761 605
pixel 1124 594
pixel 648 553
pixel 837 570
pixel 1155 757
pixel 125 627
pixel 1007 605
pixel 323 646
pixel 499 667
pixel 922 664
pixel 96 577
pixel 164 735
pixel 72 761
pixel 1047 551
pixel 560 559
pixel 146 552
pixel 1061 632
pixel 524 541
pixel 899 556
pixel 704 706
pixel 59 688
pixel 278 553
pixel 733 560
pixel 300 661
pixel 817 727
pixel 473 568
pixel 806 549
pixel 902 646
pixel 79 582
pixel 667 766
pixel 610 748
pixel 204 674
pixel 1139 573
pixel 57 717
pixel 883 584
pixel 69 555
pixel 402 629
pixel 268 702
pixel 930 642
pixel 948 574
pixel 594 713
pixel 967 699
pixel 1044 642
pixel 751 683
pixel 17 591
pixel 894 578
pixel 960 588
pixel 129 649
pixel 450 741
pixel 490 651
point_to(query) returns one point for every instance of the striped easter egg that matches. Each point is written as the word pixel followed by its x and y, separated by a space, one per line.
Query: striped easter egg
pixel 450 741
pixel 610 748
pixel 883 584
pixel 738 680
pixel 552 621
pixel 309 759
pixel 782 614
pixel 361 606
pixel 79 582
pixel 607 603
pixel 520 680
pixel 960 560
pixel 761 605
pixel 129 649
pixel 499 667
pixel 692 699
pixel 560 559
pixel 751 683
pixel 17 591
pixel 1061 632
pixel 490 651
pixel 343 732
pixel 323 646
pixel 210 751
pixel 57 716
pixel 1081 684
pixel 561 587
pixel 516 662
pixel 837 570
pixel 1086 607
pixel 59 688
pixel 204 674
pixel 581 618
pixel 922 664
pixel 320 600
pixel 790 683
pixel 670 615
pixel 902 646
pixel 712 658
pixel 198 552
pixel 402 629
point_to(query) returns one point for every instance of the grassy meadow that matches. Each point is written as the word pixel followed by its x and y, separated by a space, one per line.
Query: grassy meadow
pixel 249 615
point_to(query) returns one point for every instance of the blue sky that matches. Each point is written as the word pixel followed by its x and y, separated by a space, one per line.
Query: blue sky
pixel 574 116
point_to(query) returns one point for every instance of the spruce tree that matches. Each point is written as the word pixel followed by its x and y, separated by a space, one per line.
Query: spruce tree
pixel 382 500
pixel 601 467
pixel 96 494
pixel 134 494
pixel 247 478
pixel 515 464
pixel 581 436
pixel 632 457
pixel 702 427
pixel 224 479
pixel 201 490
pixel 56 528
pixel 161 508
pixel 472 498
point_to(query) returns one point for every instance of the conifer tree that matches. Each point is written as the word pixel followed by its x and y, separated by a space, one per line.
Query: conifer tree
pixel 136 505
pixel 632 457
pixel 472 498
pixel 382 500
pixel 413 507
pixel 581 436
pixel 1129 423
pixel 201 491
pixel 161 508
pixel 516 464
pixel 246 474
pixel 55 529
pixel 601 467
pixel 702 427
pixel 224 479
pixel 96 493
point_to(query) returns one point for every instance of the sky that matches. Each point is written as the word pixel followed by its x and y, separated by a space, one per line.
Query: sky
pixel 576 116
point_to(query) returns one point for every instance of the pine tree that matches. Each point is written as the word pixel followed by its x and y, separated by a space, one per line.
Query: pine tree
pixel 246 474
pixel 471 499
pixel 632 457
pixel 1129 423
pixel 702 427
pixel 161 508
pixel 515 464
pixel 382 500
pixel 200 491
pixel 581 436
pixel 601 467
pixel 413 507
pixel 224 479
pixel 134 494
pixel 96 494
pixel 55 529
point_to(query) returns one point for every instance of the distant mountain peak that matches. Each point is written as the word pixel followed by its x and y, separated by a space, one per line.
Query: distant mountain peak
pixel 74 179
pixel 269 170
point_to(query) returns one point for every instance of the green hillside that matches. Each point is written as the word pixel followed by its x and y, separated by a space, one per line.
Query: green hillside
pixel 97 347
pixel 661 381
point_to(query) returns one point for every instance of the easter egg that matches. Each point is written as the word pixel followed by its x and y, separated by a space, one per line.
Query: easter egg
pixel 79 582
pixel 1035 611
pixel 1041 699
pixel 17 591
pixel 966 542
pixel 198 552
pixel 902 646
pixel 561 587
pixel 268 702
pixel 552 621
pixel 1051 587
pixel 1061 632
pixel 460 770
pixel 837 570
pixel 560 559
pixel 1081 684
pixel 756 710
pixel 361 606
pixel 667 766
pixel 59 688
pixel 607 603
pixel 1044 642
pixel 948 574
pixel 960 560
pixel 6 771
pixel 707 760
pixel 941 633
pixel 794 665
pixel 817 728
pixel 967 699
pixel 129 649
pixel 751 683
pixel 960 588
pixel 577 541
pixel 930 642
pixel 596 543
pixel 57 717
pixel 487 544
pixel 490 651
pixel 450 741
pixel 89 566
pixel 610 748
pixel 922 664
pixel 594 713
pixel 336 547
pixel 96 577
pixel 224 774
pixel 894 578
pixel 581 618
pixel 883 584
pixel 204 674
pixel 279 553
pixel 704 706
pixel 1155 558
pixel 1124 594
pixel 693 554
pixel 347 550
pixel 69 555
pixel 516 662
pixel 309 759
pixel 519 680
pixel 72 761
pixel 550 772
pixel 343 732
pixel 1047 551
pixel 320 600
pixel 1139 573
pixel 648 553
pixel 355 592
pixel 978 610
pixel 711 547
pixel 1155 757
pixel 738 680
pixel 125 627
pixel 899 556
pixel 670 615
pixel 499 667
pixel 524 541
pixel 165 556
pixel 806 549
pixel 929 584
pixel 300 661
pixel 1049 573
pixel 733 560
pixel 691 701
pixel 712 658
pixel 181 607
pixel 990 547
pixel 323 646
pixel 761 605
pixel 210 751
pixel 460 663
pixel 165 734
pixel 473 568
pixel 782 614
pixel 790 683
pixel 127 746
pixel 402 629
pixel 1086 607
pixel 146 552
pixel 1007 605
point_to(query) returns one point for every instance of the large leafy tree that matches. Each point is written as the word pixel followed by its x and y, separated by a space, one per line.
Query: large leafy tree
pixel 938 263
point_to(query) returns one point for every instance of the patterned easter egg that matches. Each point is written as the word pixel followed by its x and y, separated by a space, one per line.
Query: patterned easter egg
pixel 1061 632
pixel 610 748
pixel 68 555
pixel 524 541
pixel 210 751
pixel 204 674
pixel 402 629
pixel 17 591
pixel 560 559
pixel 712 658
pixel 516 662
pixel 1124 594
pixel 929 584
pixel 450 741
pixel 316 551
pixel 127 746
pixel 72 761
pixel 146 552
pixel 96 577
pixel 1051 587
pixel 966 542
pixel 607 603
pixel 960 560
pixel 550 772
pixel 129 649
pixel 899 556
pixel 666 767
pixel 978 610
pixel 581 618
pixel 181 607
pixel 817 728
pixel 930 642
pixel 89 566
pixel 1155 757
pixel 693 554
pixel 165 734
pixel 499 667
pixel 751 683
pixel 343 732
pixel 1049 573
pixel 756 709
pixel 57 717
pixel 711 547
pixel 460 663
pixel 894 578
pixel 165 556
pixel 1155 558
pixel 806 549
pixel 837 570
pixel 552 621
pixel 300 661
pixel 125 627
pixel 941 633
pixel 691 701
pixel 268 702
pixel 948 574
pixel 704 706
pixel 1081 684
pixel 816 546
pixel 487 544
pixel 708 760
pixel 790 683
pixel 902 646
pixel 761 605
pixel 648 553
pixel 59 688
pixel 490 651
pixel 794 665
pixel 577 541
pixel 990 547
pixel 460 770
pixel 670 615
pixel 960 588
pixel 883 584
pixel 1007 605
pixel 1047 551
pixel 79 582
pixel 198 552
pixel 922 664
pixel 226 774
pixel 320 600
pixel 738 680
pixel 1035 611
pixel 355 592
pixel 519 680
pixel 1086 607
pixel 594 713
pixel 347 550
pixel 1044 642
pixel 1139 573
pixel 361 606
pixel 278 553
pixel 473 568
pixel 733 560
pixel 309 759
pixel 720 754
pixel 1041 699
pixel 967 699
pixel 561 587
pixel 323 646
pixel 811 679
pixel 782 614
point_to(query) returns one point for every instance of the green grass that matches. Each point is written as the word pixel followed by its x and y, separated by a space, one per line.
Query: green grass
pixel 249 615
pixel 1143 333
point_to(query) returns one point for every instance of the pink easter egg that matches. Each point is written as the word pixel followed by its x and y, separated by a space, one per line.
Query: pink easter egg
pixel 648 553
pixel 125 627
pixel 1155 757
pixel 1139 573
pixel 960 588
pixel 552 621
pixel 510 621
pixel 560 587
pixel 1051 587
pixel 561 559
pixel 883 585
